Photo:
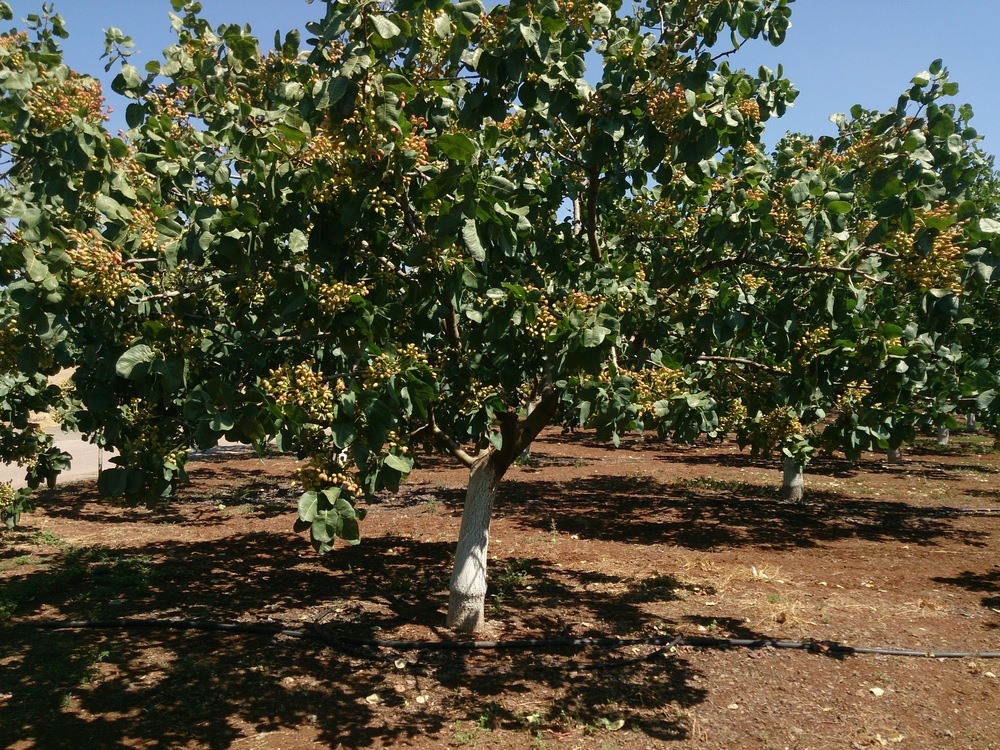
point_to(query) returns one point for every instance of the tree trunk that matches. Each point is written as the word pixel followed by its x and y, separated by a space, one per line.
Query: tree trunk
pixel 894 455
pixel 943 433
pixel 467 597
pixel 793 482
pixel 970 421
pixel 467 590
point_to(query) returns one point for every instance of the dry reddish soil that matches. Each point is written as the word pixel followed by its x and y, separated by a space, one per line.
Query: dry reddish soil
pixel 648 539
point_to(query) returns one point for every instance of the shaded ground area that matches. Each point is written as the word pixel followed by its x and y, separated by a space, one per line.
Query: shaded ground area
pixel 645 540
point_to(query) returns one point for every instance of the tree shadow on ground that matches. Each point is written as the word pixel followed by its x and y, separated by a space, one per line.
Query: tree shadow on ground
pixel 987 583
pixel 710 515
pixel 164 688
pixel 921 461
pixel 255 489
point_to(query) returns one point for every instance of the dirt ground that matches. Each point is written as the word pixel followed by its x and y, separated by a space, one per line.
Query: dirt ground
pixel 587 541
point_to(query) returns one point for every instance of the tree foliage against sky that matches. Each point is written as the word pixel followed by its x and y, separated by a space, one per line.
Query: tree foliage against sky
pixel 431 225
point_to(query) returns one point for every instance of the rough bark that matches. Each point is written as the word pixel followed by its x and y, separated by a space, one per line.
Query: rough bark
pixel 943 434
pixel 894 456
pixel 467 598
pixel 793 482
pixel 970 421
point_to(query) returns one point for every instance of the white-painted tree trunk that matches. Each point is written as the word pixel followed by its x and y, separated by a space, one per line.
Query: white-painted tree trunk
pixel 467 591
pixel 894 455
pixel 793 481
pixel 943 434
pixel 970 421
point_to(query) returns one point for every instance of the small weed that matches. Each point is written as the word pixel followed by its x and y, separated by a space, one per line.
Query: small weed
pixel 432 505
pixel 19 561
pixel 92 666
pixel 487 720
pixel 527 461
pixel 580 463
pixel 507 580
pixel 529 720
pixel 7 608
pixel 48 538
pixel 462 736
pixel 735 487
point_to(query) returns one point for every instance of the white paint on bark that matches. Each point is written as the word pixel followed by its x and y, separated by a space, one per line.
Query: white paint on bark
pixel 970 421
pixel 894 455
pixel 793 481
pixel 467 591
pixel 943 433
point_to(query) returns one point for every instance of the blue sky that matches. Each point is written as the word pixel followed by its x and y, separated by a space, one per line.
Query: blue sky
pixel 838 52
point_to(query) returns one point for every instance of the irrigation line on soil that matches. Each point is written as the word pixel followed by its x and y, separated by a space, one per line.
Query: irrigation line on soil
pixel 832 648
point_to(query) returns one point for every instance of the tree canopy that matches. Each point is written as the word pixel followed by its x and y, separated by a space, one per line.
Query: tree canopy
pixel 430 225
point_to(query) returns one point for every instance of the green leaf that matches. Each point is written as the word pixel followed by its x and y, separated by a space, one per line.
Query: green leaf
pixel 134 114
pixel 985 399
pixel 457 146
pixel 329 91
pixel 112 209
pixel 36 270
pixel 222 422
pixel 602 14
pixel 442 26
pixel 322 530
pixel 308 506
pixel 129 364
pixel 838 207
pixel 112 482
pixel 988 226
pixel 799 192
pixel 595 336
pixel 17 82
pixel 471 239
pixel 384 27
pixel 388 112
pixel 403 464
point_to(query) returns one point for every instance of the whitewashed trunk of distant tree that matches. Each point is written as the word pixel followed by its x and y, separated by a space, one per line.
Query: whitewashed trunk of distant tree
pixel 793 481
pixel 970 421
pixel 894 455
pixel 467 591
pixel 943 434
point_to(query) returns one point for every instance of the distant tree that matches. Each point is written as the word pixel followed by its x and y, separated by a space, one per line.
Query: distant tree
pixel 846 315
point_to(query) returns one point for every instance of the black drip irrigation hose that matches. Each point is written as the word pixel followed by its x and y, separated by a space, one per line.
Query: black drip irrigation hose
pixel 665 643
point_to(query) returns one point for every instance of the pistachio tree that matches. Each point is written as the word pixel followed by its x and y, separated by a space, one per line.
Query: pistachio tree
pixel 404 231
pixel 839 277
pixel 433 226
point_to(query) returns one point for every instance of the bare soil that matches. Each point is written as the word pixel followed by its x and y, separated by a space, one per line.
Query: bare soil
pixel 648 539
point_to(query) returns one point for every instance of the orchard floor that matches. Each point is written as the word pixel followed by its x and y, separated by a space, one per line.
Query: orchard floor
pixel 647 539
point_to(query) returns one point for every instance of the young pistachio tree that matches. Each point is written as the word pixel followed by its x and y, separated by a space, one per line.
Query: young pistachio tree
pixel 407 232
